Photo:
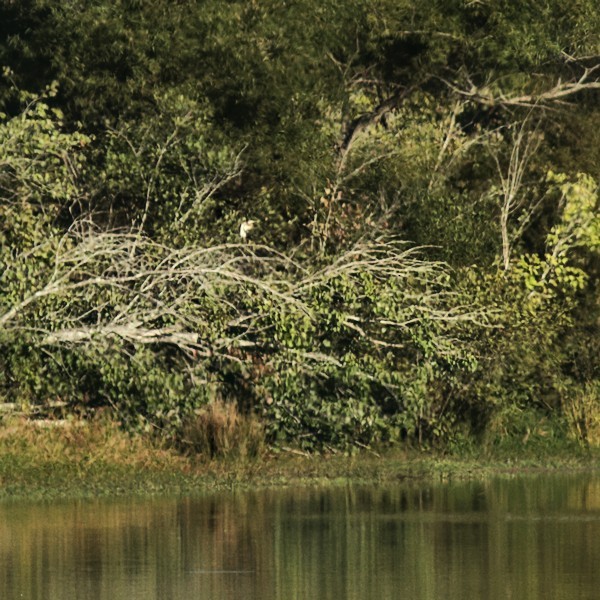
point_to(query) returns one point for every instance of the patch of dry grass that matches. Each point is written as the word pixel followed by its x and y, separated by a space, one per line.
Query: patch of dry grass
pixel 583 413
pixel 220 431
pixel 76 458
pixel 82 442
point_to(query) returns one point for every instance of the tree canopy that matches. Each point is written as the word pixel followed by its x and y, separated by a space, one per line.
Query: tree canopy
pixel 423 178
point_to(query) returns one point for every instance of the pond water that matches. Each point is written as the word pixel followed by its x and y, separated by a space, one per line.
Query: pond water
pixel 523 538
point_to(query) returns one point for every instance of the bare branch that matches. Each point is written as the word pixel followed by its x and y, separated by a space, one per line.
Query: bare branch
pixel 556 94
pixel 224 301
pixel 525 141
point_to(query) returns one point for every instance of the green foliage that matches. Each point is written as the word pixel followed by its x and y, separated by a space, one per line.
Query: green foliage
pixel 372 355
pixel 168 175
pixel 515 430
pixel 579 225
pixel 152 130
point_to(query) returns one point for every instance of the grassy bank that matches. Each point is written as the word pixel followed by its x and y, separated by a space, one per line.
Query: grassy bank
pixel 98 459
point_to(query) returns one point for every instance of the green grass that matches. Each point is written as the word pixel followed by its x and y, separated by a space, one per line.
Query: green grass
pixel 99 460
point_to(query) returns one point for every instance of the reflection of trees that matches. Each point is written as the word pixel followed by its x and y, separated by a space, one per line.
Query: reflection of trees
pixel 99 542
pixel 525 538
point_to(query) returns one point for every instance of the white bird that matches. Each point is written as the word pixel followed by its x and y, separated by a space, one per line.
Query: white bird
pixel 245 228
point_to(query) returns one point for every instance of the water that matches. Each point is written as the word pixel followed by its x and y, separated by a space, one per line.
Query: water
pixel 534 537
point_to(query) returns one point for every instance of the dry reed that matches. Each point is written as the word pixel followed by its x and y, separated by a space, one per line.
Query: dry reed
pixel 220 431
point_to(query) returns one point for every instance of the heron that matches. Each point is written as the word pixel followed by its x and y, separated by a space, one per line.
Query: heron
pixel 245 228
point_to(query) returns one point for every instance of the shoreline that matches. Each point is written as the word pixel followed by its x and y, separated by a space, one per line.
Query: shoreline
pixel 101 461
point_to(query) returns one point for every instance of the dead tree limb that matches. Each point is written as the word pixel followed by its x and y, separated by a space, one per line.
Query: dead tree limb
pixel 556 94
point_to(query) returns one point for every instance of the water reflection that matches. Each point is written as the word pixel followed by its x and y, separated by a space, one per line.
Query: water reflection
pixel 526 538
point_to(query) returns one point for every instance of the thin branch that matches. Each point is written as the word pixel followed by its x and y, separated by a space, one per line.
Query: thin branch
pixel 556 94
